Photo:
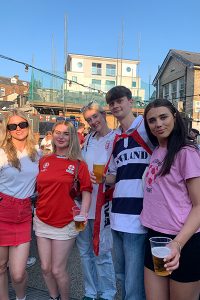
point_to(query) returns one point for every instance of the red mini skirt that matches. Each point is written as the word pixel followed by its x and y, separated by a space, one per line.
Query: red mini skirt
pixel 15 220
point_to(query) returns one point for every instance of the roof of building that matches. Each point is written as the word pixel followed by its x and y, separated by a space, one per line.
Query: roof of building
pixel 7 81
pixel 192 57
pixel 188 58
pixel 105 57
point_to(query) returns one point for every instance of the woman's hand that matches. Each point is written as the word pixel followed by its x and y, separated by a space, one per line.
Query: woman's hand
pixel 172 260
pixel 93 177
pixel 84 214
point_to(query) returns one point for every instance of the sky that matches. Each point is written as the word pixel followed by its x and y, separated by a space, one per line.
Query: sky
pixel 150 29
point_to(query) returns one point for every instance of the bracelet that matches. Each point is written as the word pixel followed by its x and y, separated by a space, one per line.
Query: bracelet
pixel 179 245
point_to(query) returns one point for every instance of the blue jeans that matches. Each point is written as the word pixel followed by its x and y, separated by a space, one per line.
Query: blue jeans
pixel 98 271
pixel 129 263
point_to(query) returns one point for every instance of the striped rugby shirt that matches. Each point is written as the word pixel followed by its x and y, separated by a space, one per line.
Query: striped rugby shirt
pixel 128 163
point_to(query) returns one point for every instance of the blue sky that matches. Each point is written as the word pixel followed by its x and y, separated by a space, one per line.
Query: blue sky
pixel 94 27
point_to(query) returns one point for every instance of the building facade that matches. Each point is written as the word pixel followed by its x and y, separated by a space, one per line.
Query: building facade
pixel 178 80
pixel 102 73
pixel 14 89
pixel 88 78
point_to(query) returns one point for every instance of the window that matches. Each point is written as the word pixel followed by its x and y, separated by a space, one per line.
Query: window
pixel 74 78
pixel 197 106
pixel 128 69
pixel 13 80
pixel 2 92
pixel 96 84
pixel 174 90
pixel 109 84
pixel 96 69
pixel 79 64
pixel 134 84
pixel 181 88
pixel 110 70
pixel 166 91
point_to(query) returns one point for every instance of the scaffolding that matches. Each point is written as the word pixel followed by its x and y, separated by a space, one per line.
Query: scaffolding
pixel 56 90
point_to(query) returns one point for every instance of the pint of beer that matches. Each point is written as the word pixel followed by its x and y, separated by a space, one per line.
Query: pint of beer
pixel 159 253
pixel 160 250
pixel 98 172
pixel 79 222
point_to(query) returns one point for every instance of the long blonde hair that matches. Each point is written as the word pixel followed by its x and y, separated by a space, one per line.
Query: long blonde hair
pixel 74 150
pixel 6 141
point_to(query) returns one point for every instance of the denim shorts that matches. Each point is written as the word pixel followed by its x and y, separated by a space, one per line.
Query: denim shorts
pixel 15 220
pixel 189 263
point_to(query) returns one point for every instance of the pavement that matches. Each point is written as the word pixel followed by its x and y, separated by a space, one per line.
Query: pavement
pixel 37 290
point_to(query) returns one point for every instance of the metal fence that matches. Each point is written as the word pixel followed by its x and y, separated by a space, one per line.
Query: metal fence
pixel 50 89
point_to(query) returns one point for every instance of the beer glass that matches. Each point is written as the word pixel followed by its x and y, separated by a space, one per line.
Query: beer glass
pixel 98 170
pixel 159 250
pixel 80 220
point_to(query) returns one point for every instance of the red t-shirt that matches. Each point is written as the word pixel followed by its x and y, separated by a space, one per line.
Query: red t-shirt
pixel 54 182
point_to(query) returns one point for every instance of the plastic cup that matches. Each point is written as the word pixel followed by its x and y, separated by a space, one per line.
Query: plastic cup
pixel 159 250
pixel 98 170
pixel 80 220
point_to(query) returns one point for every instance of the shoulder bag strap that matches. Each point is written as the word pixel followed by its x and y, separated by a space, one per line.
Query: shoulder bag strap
pixel 76 171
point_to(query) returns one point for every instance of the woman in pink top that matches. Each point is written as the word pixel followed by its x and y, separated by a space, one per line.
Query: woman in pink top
pixel 172 204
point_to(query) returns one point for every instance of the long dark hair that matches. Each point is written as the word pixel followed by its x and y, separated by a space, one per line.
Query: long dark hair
pixel 176 140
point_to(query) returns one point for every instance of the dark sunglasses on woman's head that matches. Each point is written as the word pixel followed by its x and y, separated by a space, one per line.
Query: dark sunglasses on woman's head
pixel 21 125
pixel 88 105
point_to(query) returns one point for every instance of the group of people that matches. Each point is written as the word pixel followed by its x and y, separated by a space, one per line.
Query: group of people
pixel 22 172
pixel 153 170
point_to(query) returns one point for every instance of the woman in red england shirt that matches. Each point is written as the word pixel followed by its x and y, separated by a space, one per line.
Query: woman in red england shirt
pixel 53 221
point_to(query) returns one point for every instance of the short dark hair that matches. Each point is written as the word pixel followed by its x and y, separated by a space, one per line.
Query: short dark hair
pixel 118 92
pixel 195 131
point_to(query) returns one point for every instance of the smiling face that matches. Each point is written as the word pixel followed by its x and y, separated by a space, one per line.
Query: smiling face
pixel 161 123
pixel 121 107
pixel 95 119
pixel 19 134
pixel 61 137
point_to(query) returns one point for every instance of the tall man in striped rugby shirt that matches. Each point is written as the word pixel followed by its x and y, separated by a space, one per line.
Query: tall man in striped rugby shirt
pixel 127 166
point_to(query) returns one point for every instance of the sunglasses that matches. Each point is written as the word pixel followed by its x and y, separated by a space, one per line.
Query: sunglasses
pixel 21 125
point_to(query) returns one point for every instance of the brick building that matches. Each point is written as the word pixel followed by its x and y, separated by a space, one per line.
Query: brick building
pixel 14 89
pixel 178 80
